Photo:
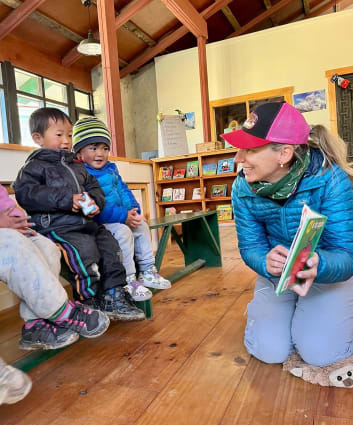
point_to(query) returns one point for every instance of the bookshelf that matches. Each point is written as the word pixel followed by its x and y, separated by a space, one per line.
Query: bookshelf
pixel 205 183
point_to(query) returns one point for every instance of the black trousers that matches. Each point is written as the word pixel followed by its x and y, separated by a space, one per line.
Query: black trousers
pixel 93 257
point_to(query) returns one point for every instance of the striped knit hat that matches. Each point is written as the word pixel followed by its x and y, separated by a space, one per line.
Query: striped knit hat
pixel 87 131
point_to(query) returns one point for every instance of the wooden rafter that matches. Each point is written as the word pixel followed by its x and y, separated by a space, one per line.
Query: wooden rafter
pixel 130 10
pixel 185 12
pixel 17 16
pixel 231 18
pixel 138 33
pixel 165 42
pixel 201 48
pixel 268 5
pixel 306 7
pixel 260 18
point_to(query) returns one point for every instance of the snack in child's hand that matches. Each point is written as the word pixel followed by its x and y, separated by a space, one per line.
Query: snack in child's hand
pixel 86 208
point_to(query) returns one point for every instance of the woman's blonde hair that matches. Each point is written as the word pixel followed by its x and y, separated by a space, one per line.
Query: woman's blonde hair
pixel 333 148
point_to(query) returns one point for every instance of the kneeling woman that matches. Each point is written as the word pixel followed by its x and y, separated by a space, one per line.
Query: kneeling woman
pixel 284 166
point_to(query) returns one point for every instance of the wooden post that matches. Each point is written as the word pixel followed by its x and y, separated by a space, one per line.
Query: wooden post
pixel 111 76
pixel 201 44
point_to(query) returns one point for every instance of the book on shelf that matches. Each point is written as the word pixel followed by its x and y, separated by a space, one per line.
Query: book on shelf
pixel 225 165
pixel 196 193
pixel 167 194
pixel 169 211
pixel 302 248
pixel 209 169
pixel 218 190
pixel 179 173
pixel 179 194
pixel 186 211
pixel 166 172
pixel 224 212
pixel 192 169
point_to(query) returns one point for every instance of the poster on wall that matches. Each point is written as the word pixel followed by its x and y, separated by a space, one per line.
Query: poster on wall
pixel 171 136
pixel 190 120
pixel 310 101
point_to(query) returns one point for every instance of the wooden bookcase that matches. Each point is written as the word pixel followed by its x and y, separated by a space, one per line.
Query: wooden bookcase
pixel 206 202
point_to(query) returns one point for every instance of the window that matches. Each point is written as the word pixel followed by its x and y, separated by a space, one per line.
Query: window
pixel 226 111
pixel 32 92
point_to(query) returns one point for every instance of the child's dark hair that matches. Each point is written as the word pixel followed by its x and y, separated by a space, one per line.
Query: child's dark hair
pixel 39 119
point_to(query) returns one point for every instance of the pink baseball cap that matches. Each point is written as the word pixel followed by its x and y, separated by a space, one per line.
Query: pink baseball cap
pixel 276 122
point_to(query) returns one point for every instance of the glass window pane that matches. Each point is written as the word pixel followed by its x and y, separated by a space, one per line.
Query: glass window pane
pixel 82 100
pixel 26 106
pixel 28 83
pixel 55 91
pixel 61 107
pixel 83 115
pixel 3 123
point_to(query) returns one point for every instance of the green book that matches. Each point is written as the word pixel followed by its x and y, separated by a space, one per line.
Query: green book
pixel 303 246
pixel 192 169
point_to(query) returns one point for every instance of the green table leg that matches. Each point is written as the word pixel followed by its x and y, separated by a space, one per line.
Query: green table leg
pixel 162 246
pixel 201 240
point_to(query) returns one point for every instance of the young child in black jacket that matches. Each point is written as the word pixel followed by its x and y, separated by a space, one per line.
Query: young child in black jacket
pixel 50 187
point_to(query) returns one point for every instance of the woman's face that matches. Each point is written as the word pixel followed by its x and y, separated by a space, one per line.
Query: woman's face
pixel 261 164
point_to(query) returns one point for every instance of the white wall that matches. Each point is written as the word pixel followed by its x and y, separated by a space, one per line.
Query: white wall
pixel 296 55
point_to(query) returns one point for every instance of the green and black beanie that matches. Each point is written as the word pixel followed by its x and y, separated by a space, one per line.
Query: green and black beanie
pixel 87 131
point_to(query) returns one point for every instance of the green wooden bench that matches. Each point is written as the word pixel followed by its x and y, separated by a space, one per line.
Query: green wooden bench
pixel 199 243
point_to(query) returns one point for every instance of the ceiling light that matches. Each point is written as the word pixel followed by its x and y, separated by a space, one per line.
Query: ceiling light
pixel 89 46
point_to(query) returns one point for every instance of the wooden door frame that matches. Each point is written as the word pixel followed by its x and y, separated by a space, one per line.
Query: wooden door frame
pixel 286 92
pixel 331 95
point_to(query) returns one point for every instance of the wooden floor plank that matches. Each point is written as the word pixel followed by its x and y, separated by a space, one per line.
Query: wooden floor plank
pixel 326 420
pixel 200 392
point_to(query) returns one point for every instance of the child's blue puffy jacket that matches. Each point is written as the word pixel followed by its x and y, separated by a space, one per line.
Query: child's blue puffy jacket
pixel 118 197
pixel 263 223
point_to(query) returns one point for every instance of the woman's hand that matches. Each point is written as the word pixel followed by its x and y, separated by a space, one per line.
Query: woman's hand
pixel 309 275
pixel 275 260
pixel 21 224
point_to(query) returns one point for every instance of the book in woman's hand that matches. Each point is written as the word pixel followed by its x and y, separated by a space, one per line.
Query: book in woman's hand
pixel 303 246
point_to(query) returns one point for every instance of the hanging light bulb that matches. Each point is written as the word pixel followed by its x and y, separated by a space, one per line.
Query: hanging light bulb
pixel 89 46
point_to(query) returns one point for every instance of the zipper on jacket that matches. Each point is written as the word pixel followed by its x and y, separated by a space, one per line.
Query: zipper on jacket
pixel 63 163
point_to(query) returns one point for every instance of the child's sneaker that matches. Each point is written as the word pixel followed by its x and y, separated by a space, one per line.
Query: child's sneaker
pixel 118 305
pixel 46 335
pixel 14 384
pixel 137 290
pixel 85 321
pixel 152 279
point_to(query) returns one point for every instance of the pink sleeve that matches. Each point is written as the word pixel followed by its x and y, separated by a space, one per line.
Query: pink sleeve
pixel 6 202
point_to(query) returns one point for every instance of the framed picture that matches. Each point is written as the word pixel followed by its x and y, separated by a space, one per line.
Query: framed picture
pixel 179 173
pixel 218 190
pixel 192 169
pixel 166 172
pixel 179 194
pixel 225 165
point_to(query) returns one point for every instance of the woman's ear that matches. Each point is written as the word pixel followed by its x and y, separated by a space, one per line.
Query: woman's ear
pixel 38 139
pixel 286 154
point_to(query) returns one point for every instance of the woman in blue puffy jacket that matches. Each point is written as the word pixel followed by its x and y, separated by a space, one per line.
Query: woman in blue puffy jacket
pixel 285 165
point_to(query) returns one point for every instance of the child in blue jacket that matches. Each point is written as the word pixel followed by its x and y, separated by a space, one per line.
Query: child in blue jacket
pixel 121 214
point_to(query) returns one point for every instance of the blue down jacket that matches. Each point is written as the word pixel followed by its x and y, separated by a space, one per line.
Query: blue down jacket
pixel 118 197
pixel 262 223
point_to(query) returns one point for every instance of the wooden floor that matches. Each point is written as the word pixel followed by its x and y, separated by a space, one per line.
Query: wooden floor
pixel 187 365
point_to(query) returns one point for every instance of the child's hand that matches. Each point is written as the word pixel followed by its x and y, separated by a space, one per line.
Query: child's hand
pixel 96 211
pixel 275 260
pixel 309 275
pixel 76 206
pixel 20 224
pixel 133 218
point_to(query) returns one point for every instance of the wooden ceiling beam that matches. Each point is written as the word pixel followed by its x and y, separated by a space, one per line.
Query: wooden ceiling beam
pixel 306 7
pixel 185 12
pixel 138 33
pixel 231 18
pixel 168 40
pixel 268 5
pixel 130 10
pixel 260 18
pixel 17 16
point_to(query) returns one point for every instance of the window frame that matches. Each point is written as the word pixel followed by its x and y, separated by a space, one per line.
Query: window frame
pixel 11 92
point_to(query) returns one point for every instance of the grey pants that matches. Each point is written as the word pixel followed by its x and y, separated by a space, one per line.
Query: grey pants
pixel 318 326
pixel 30 267
pixel 133 242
